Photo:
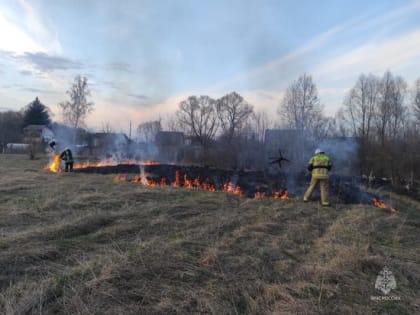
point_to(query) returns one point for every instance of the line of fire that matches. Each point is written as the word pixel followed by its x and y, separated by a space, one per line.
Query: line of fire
pixel 283 178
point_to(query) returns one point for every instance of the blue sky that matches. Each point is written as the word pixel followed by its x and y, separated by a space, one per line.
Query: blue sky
pixel 143 57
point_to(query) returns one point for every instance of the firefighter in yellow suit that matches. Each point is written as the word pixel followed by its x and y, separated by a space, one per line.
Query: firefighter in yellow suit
pixel 320 164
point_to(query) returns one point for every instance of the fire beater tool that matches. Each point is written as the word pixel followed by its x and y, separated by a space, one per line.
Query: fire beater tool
pixel 278 159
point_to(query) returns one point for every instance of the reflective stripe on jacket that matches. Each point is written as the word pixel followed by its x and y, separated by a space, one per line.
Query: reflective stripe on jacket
pixel 320 165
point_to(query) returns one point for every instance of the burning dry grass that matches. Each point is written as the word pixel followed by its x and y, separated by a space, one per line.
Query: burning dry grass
pixel 82 244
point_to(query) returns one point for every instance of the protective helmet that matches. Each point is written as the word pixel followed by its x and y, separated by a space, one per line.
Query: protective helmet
pixel 317 151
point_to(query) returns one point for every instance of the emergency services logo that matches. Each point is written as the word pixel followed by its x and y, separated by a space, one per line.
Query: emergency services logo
pixel 385 282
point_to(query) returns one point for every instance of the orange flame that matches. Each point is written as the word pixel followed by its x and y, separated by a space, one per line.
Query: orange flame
pixel 229 188
pixel 143 179
pixel 148 163
pixel 163 182
pixel 380 204
pixel 54 165
pixel 176 182
pixel 187 182
pixel 196 183
pixel 136 179
pixel 112 163
pixel 208 187
pixel 237 191
pixel 259 195
pixel 281 196
pixel 120 178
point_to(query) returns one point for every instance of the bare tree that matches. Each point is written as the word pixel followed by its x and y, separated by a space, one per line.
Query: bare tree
pixel 170 122
pixel 416 101
pixel 233 112
pixel 197 116
pixel 390 110
pixel 399 112
pixel 360 105
pixel 106 127
pixel 146 132
pixel 300 107
pixel 383 113
pixel 342 123
pixel 75 110
pixel 260 123
pixel 324 127
pixel 375 112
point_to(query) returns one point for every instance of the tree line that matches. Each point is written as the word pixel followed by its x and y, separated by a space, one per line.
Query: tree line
pixel 381 112
pixel 384 114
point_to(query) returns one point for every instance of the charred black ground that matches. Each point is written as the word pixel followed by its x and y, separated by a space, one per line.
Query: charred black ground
pixel 344 189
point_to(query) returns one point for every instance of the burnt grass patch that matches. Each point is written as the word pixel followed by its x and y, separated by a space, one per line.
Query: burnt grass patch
pixel 86 245
pixel 342 189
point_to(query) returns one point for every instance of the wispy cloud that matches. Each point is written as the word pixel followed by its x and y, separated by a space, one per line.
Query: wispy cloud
pixel 45 62
pixel 287 64
pixel 290 65
pixel 14 39
pixel 141 97
pixel 118 66
pixel 369 54
pixel 36 90
pixel 23 30
pixel 40 28
pixel 26 72
pixel 105 84
pixel 373 57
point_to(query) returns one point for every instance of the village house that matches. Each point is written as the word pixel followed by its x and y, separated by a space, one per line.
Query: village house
pixel 37 133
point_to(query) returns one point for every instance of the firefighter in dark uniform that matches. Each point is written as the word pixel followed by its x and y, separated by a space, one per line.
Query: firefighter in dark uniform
pixel 67 157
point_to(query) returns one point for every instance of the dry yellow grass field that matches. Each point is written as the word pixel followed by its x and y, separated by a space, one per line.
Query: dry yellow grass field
pixel 74 243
